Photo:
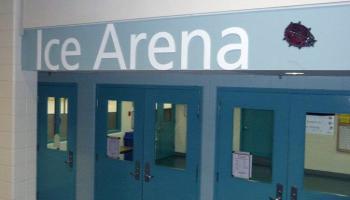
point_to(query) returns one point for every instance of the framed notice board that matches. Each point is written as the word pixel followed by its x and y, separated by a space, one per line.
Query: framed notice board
pixel 343 141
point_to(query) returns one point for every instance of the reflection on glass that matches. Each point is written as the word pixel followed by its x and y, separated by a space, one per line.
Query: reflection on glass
pixel 57 123
pixel 253 134
pixel 171 135
pixel 120 130
pixel 327 167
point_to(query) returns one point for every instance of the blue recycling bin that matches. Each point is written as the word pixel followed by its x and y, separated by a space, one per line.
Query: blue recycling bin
pixel 129 142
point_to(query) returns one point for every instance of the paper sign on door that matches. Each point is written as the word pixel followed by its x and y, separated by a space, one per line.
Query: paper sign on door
pixel 242 165
pixel 113 147
pixel 320 124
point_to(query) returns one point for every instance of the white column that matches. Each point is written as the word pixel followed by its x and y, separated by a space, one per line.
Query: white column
pixel 17 110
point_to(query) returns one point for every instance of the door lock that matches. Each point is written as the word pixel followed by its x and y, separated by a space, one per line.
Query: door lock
pixel 137 171
pixel 148 175
pixel 279 192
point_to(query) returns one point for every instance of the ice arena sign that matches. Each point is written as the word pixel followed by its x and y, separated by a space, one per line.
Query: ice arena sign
pixel 227 41
pixel 160 49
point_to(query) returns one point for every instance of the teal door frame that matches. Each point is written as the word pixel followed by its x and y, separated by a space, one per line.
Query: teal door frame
pixel 300 102
pixel 56 170
pixel 144 97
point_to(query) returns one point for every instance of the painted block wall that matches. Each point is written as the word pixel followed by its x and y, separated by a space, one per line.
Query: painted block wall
pixel 38 13
pixel 181 129
pixel 321 154
pixel 6 101
pixel 126 119
pixel 208 80
pixel 17 110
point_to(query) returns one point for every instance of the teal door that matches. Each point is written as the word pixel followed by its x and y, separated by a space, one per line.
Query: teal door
pixel 319 164
pixel 172 144
pixel 56 142
pixel 154 151
pixel 165 123
pixel 119 147
pixel 256 132
pixel 252 144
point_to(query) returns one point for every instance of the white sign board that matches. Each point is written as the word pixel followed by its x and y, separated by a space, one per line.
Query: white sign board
pixel 320 124
pixel 113 147
pixel 242 165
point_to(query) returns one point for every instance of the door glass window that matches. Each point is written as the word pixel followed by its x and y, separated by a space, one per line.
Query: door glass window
pixel 171 135
pixel 120 130
pixel 57 123
pixel 327 153
pixel 252 144
pixel 114 117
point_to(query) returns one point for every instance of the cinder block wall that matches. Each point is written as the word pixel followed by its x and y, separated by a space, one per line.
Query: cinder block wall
pixel 17 110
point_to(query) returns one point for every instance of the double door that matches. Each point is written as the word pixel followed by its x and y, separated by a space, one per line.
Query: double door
pixel 283 145
pixel 147 143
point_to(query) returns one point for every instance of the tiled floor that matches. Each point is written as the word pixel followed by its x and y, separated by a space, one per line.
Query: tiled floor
pixel 174 161
pixel 327 184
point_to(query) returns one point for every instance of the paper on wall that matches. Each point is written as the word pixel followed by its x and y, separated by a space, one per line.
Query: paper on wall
pixel 242 165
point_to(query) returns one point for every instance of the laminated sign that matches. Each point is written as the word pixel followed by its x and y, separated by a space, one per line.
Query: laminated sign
pixel 242 165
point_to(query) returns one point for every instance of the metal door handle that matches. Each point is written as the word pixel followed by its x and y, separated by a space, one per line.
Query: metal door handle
pixel 294 193
pixel 148 175
pixel 271 198
pixel 279 192
pixel 137 172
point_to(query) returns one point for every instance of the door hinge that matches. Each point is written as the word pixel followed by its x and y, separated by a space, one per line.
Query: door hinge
pixel 96 157
pixel 37 147
pixel 198 111
pixel 218 114
pixel 197 174
pixel 97 103
pixel 217 176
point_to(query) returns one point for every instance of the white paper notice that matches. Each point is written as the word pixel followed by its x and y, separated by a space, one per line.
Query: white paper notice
pixel 242 165
pixel 320 124
pixel 113 147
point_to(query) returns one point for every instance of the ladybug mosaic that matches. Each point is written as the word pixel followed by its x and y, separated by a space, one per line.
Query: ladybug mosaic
pixel 298 35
